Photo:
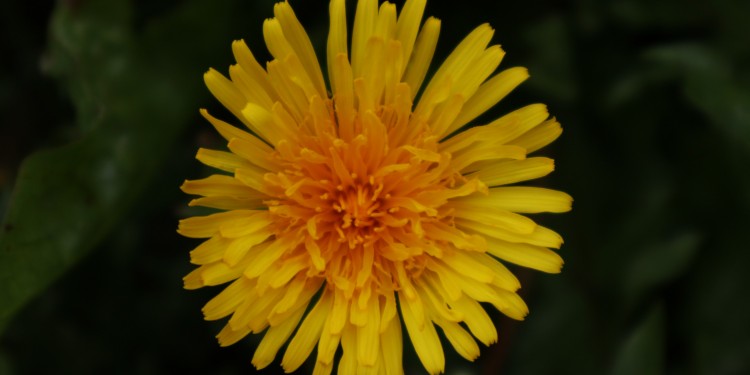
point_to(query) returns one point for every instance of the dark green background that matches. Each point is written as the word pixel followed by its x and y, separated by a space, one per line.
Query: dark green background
pixel 99 104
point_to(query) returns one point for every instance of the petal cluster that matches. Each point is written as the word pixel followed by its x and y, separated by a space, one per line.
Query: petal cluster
pixel 350 209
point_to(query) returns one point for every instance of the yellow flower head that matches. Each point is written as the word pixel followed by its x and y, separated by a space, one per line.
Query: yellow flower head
pixel 350 208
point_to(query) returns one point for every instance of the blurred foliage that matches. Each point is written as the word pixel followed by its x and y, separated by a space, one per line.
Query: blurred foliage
pixel 654 98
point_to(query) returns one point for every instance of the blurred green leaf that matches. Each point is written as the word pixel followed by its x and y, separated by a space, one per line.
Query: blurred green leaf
pixel 4 364
pixel 132 100
pixel 64 198
pixel 642 352
pixel 551 63
pixel 710 84
pixel 660 263
pixel 632 230
pixel 713 320
pixel 642 14
pixel 561 328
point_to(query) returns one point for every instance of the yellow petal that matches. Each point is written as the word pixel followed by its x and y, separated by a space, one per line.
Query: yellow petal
pixel 388 310
pixel 424 338
pixel 287 125
pixel 536 257
pixel 313 250
pixel 467 266
pixel 290 92
pixel 437 198
pixel 255 71
pixel 522 199
pixel 328 342
pixel 290 268
pixel 487 151
pixel 210 250
pixel 541 236
pixel 498 132
pixel 489 94
pixel 274 338
pixel 407 27
pixel 449 109
pixel 207 226
pixel 340 312
pixel 237 250
pixel 337 39
pixel 221 160
pixel 295 34
pixel 512 171
pixel 385 24
pixel 482 292
pixel 219 185
pixel 262 122
pixel 364 25
pixel 293 291
pixel 253 312
pixel 540 136
pixel 368 337
pixel 229 336
pixel 394 67
pixel 275 40
pixel 269 255
pixel 369 87
pixel 421 57
pixel 220 272
pixel 477 72
pixel 252 153
pixel 511 304
pixel 498 218
pixel 458 61
pixel 461 340
pixel 391 345
pixel 307 335
pixel 298 294
pixel 437 303
pixel 476 319
pixel 244 225
pixel 304 89
pixel 343 95
pixel 447 288
pixel 193 280
pixel 227 301
pixel 249 86
pixel 348 361
pixel 252 178
pixel 229 203
pixel 225 91
pixel 229 132
pixel 322 368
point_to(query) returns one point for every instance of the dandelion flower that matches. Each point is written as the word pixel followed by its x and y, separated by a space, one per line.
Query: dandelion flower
pixel 349 208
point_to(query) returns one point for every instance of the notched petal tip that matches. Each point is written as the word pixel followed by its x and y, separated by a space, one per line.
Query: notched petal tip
pixel 210 72
pixel 193 280
pixel 567 202
pixel 182 187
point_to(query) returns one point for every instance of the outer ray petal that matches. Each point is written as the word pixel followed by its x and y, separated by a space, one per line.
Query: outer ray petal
pixel 407 28
pixel 308 334
pixel 421 57
pixel 364 25
pixel 337 39
pixel 274 338
pixel 300 42
pixel 423 336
